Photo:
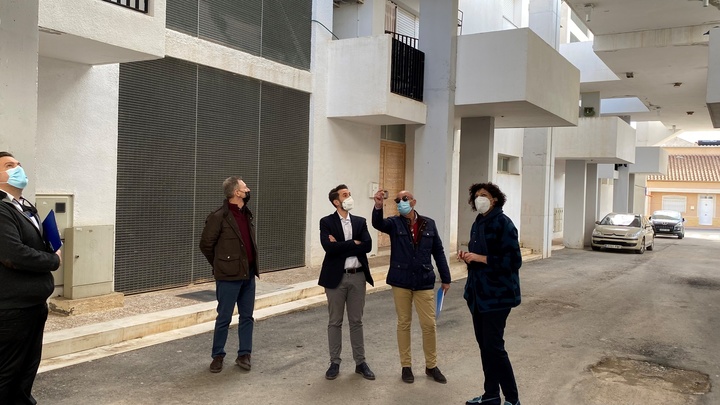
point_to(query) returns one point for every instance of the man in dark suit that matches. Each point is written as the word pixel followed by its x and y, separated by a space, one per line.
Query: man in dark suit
pixel 345 270
pixel 25 265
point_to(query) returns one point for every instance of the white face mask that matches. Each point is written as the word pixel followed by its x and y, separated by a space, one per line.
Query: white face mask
pixel 482 204
pixel 348 203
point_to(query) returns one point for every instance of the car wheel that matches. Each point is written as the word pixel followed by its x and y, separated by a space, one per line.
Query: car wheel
pixel 651 246
pixel 642 248
pixel 595 248
pixel 682 235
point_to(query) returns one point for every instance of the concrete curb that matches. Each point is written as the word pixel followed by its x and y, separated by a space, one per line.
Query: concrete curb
pixel 137 331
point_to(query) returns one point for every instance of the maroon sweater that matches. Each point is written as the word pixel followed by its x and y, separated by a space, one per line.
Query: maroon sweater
pixel 244 226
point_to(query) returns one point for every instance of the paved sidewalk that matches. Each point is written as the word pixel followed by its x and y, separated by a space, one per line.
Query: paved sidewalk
pixel 156 317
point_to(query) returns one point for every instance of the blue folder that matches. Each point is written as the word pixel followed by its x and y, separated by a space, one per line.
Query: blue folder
pixel 51 232
pixel 439 298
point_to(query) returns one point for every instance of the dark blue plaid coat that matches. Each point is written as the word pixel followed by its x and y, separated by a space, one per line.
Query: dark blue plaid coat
pixel 495 285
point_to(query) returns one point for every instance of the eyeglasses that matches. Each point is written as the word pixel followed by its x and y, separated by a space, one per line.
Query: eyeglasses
pixel 405 198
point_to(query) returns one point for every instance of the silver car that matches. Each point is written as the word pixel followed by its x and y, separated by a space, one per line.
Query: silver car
pixel 625 232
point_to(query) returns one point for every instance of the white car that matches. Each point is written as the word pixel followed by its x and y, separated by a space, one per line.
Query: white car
pixel 624 232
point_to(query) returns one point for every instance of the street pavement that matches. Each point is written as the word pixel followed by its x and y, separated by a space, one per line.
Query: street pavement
pixel 594 328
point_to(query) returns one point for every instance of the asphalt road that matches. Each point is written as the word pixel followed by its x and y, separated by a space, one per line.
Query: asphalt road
pixel 594 328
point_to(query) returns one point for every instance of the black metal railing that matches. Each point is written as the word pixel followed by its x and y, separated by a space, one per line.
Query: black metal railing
pixel 407 68
pixel 137 5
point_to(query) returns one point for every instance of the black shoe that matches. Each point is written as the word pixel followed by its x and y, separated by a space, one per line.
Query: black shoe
pixel 364 369
pixel 333 371
pixel 217 364
pixel 407 375
pixel 244 362
pixel 436 375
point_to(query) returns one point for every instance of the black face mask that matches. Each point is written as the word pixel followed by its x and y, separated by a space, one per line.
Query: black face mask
pixel 246 198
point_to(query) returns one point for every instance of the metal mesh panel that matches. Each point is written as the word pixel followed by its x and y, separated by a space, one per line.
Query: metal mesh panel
pixel 284 132
pixel 156 142
pixel 234 23
pixel 227 145
pixel 286 32
pixel 182 16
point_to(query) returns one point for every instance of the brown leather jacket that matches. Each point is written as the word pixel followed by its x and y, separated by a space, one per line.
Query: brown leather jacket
pixel 223 246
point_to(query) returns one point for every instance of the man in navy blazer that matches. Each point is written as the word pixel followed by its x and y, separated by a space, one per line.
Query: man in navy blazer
pixel 345 271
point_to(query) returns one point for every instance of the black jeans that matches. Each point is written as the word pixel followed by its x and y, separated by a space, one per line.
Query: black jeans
pixel 489 331
pixel 21 335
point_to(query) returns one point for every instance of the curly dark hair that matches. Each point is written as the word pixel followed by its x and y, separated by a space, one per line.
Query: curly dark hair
pixel 491 188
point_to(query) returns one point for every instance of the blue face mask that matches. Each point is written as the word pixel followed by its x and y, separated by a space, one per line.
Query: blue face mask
pixel 17 177
pixel 404 207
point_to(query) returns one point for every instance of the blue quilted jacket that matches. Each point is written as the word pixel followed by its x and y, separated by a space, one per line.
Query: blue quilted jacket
pixel 495 285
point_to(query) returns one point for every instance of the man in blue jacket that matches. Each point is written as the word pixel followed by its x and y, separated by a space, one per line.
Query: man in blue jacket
pixel 414 239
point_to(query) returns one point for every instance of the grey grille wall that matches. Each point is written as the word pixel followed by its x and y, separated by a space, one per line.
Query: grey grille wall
pixel 283 164
pixel 278 30
pixel 182 130
pixel 156 154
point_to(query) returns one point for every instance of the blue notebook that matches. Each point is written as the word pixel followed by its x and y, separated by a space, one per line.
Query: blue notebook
pixel 51 232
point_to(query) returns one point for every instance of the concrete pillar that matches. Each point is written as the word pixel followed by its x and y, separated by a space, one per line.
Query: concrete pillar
pixel 621 190
pixel 631 193
pixel 575 182
pixel 537 179
pixel 18 83
pixel 371 18
pixel 434 140
pixel 477 152
pixel 538 157
pixel 544 20
pixel 592 197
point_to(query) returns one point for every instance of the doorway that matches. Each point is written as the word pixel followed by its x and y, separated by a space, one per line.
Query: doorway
pixel 392 179
pixel 706 206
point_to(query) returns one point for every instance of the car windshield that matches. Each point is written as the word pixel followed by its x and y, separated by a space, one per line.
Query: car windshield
pixel 666 215
pixel 621 220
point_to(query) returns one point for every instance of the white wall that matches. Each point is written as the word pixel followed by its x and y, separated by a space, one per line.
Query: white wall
pixel 592 68
pixel 18 84
pixel 77 137
pixel 559 191
pixel 481 16
pixel 359 20
pixel 510 142
pixel 606 197
pixel 96 32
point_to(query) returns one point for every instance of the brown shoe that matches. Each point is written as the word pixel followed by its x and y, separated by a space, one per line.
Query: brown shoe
pixel 244 362
pixel 217 364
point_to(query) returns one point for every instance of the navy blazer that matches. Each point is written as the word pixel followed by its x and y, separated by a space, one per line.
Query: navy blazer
pixel 333 265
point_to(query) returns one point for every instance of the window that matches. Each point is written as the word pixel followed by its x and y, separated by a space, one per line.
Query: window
pixel 674 203
pixel 508 164
pixel 395 133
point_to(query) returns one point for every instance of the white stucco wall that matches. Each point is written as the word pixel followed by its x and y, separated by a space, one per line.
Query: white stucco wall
pixel 18 84
pixel 604 139
pixel 339 151
pixel 77 137
pixel 558 192
pixel 510 142
pixel 605 205
pixel 97 32
pixel 481 16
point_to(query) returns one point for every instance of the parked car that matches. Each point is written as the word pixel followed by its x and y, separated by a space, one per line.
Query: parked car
pixel 667 222
pixel 623 231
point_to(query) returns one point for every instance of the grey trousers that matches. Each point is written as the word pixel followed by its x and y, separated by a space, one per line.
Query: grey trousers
pixel 350 292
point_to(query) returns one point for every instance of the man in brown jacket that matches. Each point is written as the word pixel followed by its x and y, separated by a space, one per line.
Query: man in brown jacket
pixel 228 243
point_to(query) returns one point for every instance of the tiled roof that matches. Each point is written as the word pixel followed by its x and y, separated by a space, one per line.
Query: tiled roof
pixel 700 168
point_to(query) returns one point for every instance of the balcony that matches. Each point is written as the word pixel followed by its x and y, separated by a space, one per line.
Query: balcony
pixel 100 32
pixel 597 140
pixel 650 160
pixel 376 80
pixel 516 77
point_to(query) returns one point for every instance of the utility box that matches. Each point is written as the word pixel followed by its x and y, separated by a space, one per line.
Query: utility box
pixel 62 204
pixel 89 260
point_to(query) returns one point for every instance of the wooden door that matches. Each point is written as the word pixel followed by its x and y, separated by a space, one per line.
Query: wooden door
pixel 392 179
